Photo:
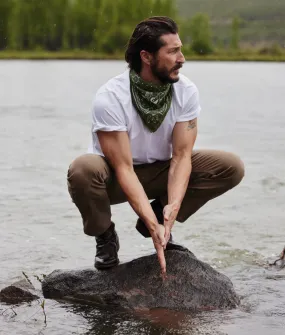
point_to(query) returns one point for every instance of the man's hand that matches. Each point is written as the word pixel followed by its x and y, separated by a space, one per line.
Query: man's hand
pixel 158 237
pixel 169 214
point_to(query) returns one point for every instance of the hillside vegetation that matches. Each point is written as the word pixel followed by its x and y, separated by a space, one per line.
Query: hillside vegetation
pixel 92 29
pixel 262 21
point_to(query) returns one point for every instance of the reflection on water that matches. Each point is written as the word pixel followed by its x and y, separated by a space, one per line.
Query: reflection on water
pixel 153 322
pixel 45 124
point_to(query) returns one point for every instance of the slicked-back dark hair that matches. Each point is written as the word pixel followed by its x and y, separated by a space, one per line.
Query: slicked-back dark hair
pixel 146 36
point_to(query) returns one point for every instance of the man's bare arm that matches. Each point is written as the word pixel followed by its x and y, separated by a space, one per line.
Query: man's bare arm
pixel 116 148
pixel 184 136
pixel 183 139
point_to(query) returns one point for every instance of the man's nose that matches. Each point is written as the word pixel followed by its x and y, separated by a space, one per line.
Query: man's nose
pixel 181 58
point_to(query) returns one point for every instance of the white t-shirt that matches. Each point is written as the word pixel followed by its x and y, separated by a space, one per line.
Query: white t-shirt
pixel 112 110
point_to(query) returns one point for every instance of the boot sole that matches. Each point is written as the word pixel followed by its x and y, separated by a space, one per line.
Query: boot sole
pixel 104 266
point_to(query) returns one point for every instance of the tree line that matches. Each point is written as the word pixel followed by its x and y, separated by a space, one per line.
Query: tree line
pixel 103 26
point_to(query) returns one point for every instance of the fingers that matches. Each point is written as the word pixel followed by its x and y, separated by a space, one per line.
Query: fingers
pixel 162 241
pixel 160 245
pixel 161 259
pixel 161 236
pixel 167 239
pixel 167 234
pixel 166 213
pixel 169 216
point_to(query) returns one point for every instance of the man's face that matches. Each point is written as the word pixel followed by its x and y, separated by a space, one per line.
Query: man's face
pixel 169 59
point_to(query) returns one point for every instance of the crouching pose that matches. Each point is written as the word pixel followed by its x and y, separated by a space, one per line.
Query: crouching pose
pixel 143 132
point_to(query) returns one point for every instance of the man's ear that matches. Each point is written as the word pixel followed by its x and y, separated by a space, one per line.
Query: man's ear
pixel 146 57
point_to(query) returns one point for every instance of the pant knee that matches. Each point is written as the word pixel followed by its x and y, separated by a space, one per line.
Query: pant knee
pixel 237 170
pixel 86 169
pixel 77 171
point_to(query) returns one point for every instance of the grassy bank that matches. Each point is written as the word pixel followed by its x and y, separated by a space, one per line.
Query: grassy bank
pixel 88 55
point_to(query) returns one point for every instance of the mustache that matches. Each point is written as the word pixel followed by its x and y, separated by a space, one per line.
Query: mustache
pixel 177 67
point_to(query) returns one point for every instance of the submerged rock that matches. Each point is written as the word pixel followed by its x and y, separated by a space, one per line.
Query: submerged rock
pixel 190 285
pixel 21 291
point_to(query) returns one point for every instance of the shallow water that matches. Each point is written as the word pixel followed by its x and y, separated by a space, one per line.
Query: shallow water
pixel 45 123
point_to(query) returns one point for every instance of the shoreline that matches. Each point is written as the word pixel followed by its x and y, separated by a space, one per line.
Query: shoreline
pixel 88 55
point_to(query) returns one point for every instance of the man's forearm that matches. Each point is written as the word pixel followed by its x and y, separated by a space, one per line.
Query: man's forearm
pixel 178 178
pixel 136 196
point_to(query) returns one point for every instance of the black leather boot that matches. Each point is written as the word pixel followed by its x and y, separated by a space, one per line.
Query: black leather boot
pixel 158 211
pixel 107 249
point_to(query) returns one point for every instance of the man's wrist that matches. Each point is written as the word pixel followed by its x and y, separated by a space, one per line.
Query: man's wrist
pixel 175 204
pixel 151 225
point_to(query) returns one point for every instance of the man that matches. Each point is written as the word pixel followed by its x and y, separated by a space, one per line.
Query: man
pixel 143 132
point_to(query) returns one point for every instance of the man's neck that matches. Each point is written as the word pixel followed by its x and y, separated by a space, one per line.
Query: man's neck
pixel 147 76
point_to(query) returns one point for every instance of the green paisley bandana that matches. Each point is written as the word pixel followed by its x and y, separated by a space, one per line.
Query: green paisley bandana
pixel 151 101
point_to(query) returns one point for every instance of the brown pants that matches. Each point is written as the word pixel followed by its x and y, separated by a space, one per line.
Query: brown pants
pixel 93 186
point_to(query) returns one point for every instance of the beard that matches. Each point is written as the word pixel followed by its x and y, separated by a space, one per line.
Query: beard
pixel 163 74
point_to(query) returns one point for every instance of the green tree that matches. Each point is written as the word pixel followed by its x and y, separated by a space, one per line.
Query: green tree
pixel 18 29
pixel 101 25
pixel 56 17
pixel 106 27
pixel 83 17
pixel 200 34
pixel 5 12
pixel 235 37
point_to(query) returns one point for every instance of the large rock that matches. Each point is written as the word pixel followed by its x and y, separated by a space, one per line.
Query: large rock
pixel 190 285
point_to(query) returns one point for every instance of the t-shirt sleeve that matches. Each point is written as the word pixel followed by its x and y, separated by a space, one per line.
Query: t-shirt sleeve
pixel 191 108
pixel 108 113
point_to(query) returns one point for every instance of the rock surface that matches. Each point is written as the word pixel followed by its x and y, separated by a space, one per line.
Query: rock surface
pixel 190 285
pixel 19 292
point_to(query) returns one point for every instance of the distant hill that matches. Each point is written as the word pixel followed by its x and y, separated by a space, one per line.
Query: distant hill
pixel 263 21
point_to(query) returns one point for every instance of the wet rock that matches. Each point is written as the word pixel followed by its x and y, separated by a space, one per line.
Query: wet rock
pixel 280 262
pixel 19 292
pixel 190 285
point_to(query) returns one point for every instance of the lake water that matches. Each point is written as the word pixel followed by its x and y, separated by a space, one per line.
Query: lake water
pixel 45 123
